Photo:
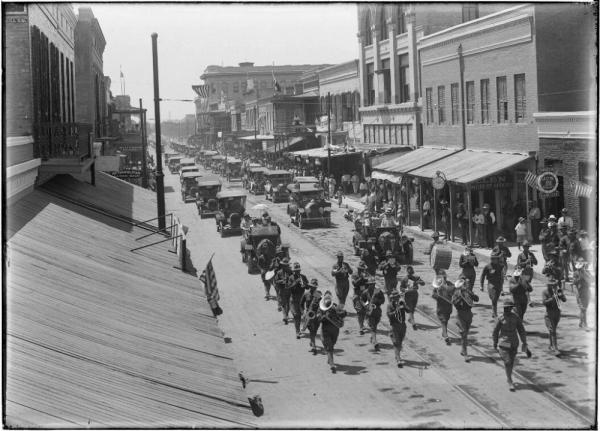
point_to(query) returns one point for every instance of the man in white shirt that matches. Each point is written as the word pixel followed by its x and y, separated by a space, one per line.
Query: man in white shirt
pixel 565 219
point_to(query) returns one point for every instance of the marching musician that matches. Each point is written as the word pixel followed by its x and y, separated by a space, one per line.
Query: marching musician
pixel 397 317
pixel 409 285
pixel 509 328
pixel 390 269
pixel 331 319
pixel 276 266
pixel 359 281
pixel 526 260
pixel 442 293
pixel 436 240
pixel 341 271
pixel 281 280
pixel 582 279
pixel 297 283
pixel 264 263
pixel 372 299
pixel 463 299
pixel 468 262
pixel 552 267
pixel 310 305
pixel 368 257
pixel 519 288
pixel 551 297
pixel 493 273
pixel 504 252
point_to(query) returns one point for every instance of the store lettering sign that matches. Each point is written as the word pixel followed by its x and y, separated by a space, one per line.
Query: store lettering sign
pixel 547 182
pixel 494 182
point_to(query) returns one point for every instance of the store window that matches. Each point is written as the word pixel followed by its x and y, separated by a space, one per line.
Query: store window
pixel 441 104
pixel 429 104
pixel 520 99
pixel 470 87
pixel 454 102
pixel 502 105
pixel 485 101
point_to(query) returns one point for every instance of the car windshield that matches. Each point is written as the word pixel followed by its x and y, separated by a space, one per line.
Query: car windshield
pixel 208 190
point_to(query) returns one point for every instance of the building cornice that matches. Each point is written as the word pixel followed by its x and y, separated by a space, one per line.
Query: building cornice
pixel 15 141
pixel 566 125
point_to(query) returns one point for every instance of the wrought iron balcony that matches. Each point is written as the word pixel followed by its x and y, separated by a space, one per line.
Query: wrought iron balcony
pixel 62 141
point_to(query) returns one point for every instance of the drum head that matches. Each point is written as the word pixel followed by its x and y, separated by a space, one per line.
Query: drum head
pixel 269 275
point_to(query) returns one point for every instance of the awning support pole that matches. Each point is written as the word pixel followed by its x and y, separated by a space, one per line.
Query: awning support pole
pixel 435 229
pixel 421 204
pixel 407 188
pixel 470 214
pixel 451 189
pixel 529 234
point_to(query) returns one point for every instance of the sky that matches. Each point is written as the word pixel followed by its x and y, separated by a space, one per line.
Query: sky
pixel 193 36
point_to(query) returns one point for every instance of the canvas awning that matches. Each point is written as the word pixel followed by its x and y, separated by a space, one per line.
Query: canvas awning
pixel 467 166
pixel 393 178
pixel 407 162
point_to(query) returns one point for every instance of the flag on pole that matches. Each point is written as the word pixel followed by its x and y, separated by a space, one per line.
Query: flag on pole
pixel 209 278
pixel 581 190
pixel 249 86
pixel 201 90
pixel 531 179
pixel 276 85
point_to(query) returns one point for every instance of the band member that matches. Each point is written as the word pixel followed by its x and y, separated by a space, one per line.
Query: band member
pixel 341 271
pixel 331 320
pixel 368 257
pixel 504 252
pixel 468 262
pixel 264 263
pixel 493 273
pixel 397 317
pixel 463 299
pixel 310 306
pixel 436 240
pixel 298 283
pixel 519 288
pixel 442 293
pixel 281 280
pixel 564 245
pixel 551 298
pixel 275 266
pixel 372 298
pixel 549 237
pixel 409 285
pixel 526 260
pixel 552 267
pixel 509 328
pixel 390 269
pixel 582 279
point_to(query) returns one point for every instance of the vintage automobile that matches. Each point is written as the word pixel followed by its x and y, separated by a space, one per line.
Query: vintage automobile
pixel 233 169
pixel 216 164
pixel 173 164
pixel 184 169
pixel 301 179
pixel 261 241
pixel 307 205
pixel 276 182
pixel 189 185
pixel 230 209
pixel 206 196
pixel 256 179
pixel 368 233
pixel 188 161
pixel 206 156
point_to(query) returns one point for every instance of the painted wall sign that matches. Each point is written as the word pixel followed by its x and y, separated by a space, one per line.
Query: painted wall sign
pixel 547 182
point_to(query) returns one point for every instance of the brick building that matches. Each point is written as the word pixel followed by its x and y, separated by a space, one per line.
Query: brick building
pixel 41 135
pixel 91 104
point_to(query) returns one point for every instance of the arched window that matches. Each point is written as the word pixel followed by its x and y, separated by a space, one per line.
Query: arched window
pixel 383 26
pixel 367 29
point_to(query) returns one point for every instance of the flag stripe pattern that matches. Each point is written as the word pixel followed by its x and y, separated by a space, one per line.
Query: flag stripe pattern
pixel 530 179
pixel 201 90
pixel 209 278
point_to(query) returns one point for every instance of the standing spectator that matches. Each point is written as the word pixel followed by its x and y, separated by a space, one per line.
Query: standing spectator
pixel 339 196
pixel 535 216
pixel 445 218
pixel 355 182
pixel 363 188
pixel 463 222
pixel 521 230
pixel 426 212
pixel 326 186
pixel 346 183
pixel 565 219
pixel 489 220
pixel 332 185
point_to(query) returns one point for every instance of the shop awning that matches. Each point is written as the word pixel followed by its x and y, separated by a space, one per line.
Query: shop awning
pixel 320 153
pixel 393 178
pixel 414 159
pixel 258 138
pixel 467 166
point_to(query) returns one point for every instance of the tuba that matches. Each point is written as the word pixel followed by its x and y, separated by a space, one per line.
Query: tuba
pixel 311 312
pixel 366 303
pixel 334 318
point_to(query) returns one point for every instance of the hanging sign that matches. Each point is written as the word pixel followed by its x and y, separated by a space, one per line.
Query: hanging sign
pixel 547 182
pixel 438 181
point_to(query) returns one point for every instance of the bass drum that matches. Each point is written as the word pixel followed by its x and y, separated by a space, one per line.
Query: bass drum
pixel 441 256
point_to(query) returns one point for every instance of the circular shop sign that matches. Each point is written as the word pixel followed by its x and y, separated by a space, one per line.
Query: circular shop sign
pixel 547 182
pixel 438 182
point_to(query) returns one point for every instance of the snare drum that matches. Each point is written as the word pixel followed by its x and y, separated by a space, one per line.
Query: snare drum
pixel 441 256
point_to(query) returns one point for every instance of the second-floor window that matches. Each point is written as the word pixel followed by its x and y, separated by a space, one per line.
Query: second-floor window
pixel 370 84
pixel 502 99
pixel 520 99
pixel 225 88
pixel 441 90
pixel 385 31
pixel 401 20
pixel 236 87
pixel 367 29
pixel 455 103
pixel 429 104
pixel 404 95
pixel 387 81
pixel 485 101
pixel 470 89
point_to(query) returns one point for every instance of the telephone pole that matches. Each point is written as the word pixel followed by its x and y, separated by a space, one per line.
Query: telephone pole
pixel 160 184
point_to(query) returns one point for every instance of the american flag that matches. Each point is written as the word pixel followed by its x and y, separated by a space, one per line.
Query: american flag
pixel 531 179
pixel 581 189
pixel 201 90
pixel 209 278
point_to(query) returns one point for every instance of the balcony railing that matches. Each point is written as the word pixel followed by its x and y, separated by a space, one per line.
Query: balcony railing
pixel 63 141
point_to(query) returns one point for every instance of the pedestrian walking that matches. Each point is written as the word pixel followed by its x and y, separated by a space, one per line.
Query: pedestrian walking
pixel 355 182
pixel 390 268
pixel 339 195
pixel 372 298
pixel 519 288
pixel 359 281
pixel 435 241
pixel 468 262
pixel 281 280
pixel 509 328
pixel 409 287
pixel 582 280
pixel 341 271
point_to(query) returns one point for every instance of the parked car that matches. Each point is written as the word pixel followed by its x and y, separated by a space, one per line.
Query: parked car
pixel 276 182
pixel 189 185
pixel 308 206
pixel 260 241
pixel 173 164
pixel 230 209
pixel 206 196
